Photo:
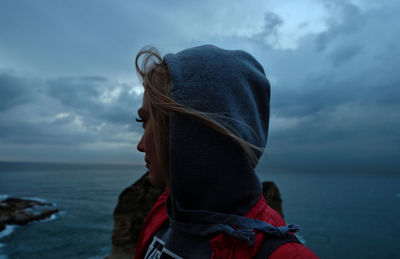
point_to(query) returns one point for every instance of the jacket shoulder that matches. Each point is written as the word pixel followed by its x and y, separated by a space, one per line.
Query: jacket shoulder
pixel 153 221
pixel 288 250
pixel 291 251
pixel 265 213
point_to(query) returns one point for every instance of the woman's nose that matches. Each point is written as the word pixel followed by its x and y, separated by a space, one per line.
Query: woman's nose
pixel 140 145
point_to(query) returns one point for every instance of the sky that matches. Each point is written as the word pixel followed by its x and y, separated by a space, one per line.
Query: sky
pixel 69 91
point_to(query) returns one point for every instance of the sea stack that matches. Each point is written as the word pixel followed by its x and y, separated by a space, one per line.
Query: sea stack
pixel 13 211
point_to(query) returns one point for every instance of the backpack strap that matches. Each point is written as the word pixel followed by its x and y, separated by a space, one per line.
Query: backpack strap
pixel 271 243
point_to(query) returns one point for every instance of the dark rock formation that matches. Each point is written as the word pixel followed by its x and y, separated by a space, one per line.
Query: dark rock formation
pixel 136 201
pixel 13 211
pixel 133 205
pixel 272 196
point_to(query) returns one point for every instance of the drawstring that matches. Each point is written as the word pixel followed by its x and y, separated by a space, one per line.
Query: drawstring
pixel 248 235
pixel 245 234
pixel 242 228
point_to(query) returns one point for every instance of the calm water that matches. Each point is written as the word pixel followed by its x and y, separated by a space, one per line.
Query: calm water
pixel 342 215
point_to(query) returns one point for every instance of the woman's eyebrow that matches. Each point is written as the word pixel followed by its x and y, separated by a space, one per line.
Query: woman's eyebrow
pixel 141 112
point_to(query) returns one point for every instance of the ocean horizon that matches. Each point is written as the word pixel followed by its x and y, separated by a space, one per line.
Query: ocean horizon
pixel 342 214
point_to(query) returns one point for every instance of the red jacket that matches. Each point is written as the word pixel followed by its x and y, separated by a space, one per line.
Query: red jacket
pixel 224 246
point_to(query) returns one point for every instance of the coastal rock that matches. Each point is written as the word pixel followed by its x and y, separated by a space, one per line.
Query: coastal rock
pixel 133 205
pixel 272 196
pixel 136 201
pixel 15 211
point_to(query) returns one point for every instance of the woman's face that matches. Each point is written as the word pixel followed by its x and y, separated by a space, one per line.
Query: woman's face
pixel 147 145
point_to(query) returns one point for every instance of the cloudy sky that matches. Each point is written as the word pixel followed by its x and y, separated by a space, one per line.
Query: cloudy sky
pixel 69 91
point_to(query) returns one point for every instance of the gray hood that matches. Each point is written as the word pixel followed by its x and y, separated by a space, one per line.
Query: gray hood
pixel 212 181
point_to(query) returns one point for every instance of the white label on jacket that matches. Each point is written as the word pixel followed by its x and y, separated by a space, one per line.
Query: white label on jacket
pixel 157 250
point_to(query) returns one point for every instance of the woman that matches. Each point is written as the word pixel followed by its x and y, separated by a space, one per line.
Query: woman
pixel 205 112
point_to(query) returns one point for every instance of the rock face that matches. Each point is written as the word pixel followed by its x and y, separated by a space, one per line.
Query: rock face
pixel 136 201
pixel 133 205
pixel 272 196
pixel 13 211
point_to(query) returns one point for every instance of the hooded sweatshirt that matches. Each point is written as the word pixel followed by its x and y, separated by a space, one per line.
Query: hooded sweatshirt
pixel 213 183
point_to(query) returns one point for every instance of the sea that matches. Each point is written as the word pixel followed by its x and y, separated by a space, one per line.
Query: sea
pixel 341 214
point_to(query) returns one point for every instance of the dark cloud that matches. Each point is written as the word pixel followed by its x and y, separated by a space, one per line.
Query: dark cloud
pixel 13 91
pixel 334 96
pixel 335 101
pixel 269 32
pixel 75 92
pixel 344 54
pixel 69 112
pixel 27 133
pixel 346 20
pixel 93 96
pixel 362 71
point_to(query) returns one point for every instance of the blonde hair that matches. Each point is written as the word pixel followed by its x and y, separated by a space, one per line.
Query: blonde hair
pixel 154 74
